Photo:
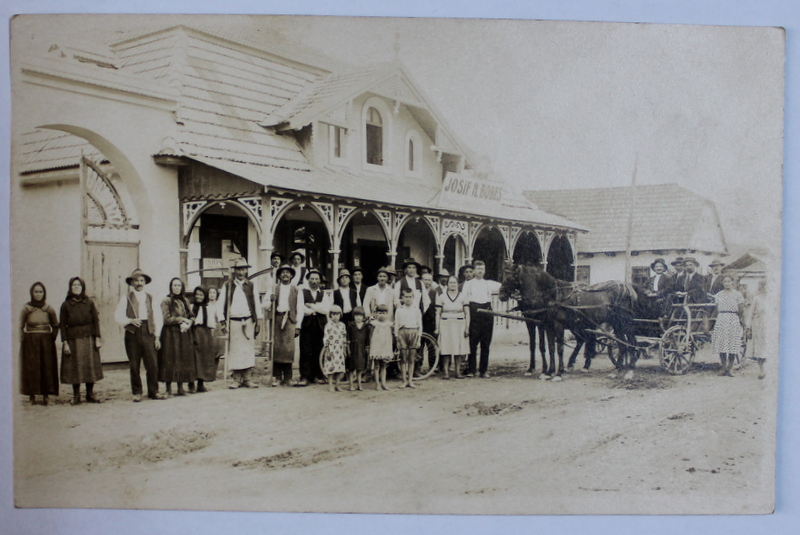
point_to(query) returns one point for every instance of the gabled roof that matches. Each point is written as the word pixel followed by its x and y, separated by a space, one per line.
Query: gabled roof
pixel 665 217
pixel 335 89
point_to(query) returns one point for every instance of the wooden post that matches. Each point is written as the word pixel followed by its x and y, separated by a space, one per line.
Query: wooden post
pixel 631 203
pixel 83 177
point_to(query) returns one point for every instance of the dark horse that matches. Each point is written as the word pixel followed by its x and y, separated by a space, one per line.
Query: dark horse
pixel 535 297
pixel 606 306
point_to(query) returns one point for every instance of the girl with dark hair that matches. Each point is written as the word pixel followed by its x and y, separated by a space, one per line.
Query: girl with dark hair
pixel 81 341
pixel 176 356
pixel 727 336
pixel 39 366
pixel 205 321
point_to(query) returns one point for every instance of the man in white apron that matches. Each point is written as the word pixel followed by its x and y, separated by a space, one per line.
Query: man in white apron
pixel 241 313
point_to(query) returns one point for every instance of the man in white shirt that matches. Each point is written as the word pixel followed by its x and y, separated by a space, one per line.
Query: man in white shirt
pixel 298 261
pixel 142 323
pixel 410 280
pixel 380 294
pixel 316 304
pixel 288 304
pixel 241 313
pixel 478 294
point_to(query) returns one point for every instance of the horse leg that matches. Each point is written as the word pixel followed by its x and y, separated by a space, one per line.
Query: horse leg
pixel 549 371
pixel 558 334
pixel 574 356
pixel 589 351
pixel 542 335
pixel 532 346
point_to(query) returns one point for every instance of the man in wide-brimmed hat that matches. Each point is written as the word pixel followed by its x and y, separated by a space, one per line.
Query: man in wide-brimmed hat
pixel 241 314
pixel 692 282
pixel 714 279
pixel 288 303
pixel 316 304
pixel 345 296
pixel 657 288
pixel 442 281
pixel 142 323
pixel 421 298
pixel 380 294
pixel 298 262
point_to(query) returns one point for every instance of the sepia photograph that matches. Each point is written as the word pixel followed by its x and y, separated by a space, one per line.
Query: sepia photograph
pixel 429 266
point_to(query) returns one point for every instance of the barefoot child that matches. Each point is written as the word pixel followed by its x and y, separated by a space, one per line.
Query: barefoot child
pixel 335 342
pixel 380 345
pixel 408 332
pixel 358 334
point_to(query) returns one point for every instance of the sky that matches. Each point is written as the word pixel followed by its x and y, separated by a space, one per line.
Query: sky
pixel 550 105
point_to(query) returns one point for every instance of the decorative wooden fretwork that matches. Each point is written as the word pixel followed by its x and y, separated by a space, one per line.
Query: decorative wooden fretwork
pixel 342 212
pixel 434 221
pixel 190 209
pixel 399 218
pixel 512 242
pixel 253 205
pixel 276 205
pixel 454 226
pixel 386 218
pixel 104 206
pixel 326 209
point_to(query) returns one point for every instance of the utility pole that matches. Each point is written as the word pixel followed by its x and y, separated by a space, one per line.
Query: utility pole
pixel 631 202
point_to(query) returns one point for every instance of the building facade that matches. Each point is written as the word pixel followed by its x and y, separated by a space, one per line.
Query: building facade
pixel 182 149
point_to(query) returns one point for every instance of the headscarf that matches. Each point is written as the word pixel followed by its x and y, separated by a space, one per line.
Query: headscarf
pixel 33 302
pixel 173 297
pixel 203 306
pixel 82 295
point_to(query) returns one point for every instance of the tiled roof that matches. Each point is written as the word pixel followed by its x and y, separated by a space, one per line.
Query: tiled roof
pixel 51 149
pixel 328 91
pixel 665 217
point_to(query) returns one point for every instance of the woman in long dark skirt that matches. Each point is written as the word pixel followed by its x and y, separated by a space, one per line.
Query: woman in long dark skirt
pixel 39 361
pixel 176 356
pixel 81 341
pixel 205 321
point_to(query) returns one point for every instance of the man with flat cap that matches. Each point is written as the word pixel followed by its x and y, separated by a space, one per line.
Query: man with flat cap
pixel 142 323
pixel 315 306
pixel 241 313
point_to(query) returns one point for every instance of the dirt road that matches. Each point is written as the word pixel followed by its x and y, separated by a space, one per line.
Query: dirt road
pixel 503 445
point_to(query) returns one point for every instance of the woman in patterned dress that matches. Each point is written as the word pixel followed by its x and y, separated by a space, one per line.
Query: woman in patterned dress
pixel 39 326
pixel 80 333
pixel 727 336
pixel 335 342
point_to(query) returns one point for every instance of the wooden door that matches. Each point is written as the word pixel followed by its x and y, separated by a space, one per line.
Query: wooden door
pixel 107 265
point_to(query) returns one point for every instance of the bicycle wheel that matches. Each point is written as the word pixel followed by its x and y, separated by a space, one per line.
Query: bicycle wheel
pixel 428 348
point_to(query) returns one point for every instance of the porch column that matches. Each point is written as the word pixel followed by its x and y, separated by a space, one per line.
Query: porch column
pixel 335 260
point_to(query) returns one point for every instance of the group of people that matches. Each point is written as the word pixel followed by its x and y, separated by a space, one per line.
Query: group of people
pixel 349 330
pixel 682 281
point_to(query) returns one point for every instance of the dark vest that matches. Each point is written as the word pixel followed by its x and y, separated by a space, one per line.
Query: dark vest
pixel 419 287
pixel 248 293
pixel 132 312
pixel 321 319
pixel 292 301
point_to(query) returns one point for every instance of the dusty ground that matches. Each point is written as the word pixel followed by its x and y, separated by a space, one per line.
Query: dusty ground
pixel 507 444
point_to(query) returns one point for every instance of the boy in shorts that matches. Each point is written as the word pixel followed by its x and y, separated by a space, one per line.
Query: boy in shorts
pixel 408 333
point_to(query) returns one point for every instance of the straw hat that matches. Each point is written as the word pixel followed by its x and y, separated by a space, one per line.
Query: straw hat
pixel 138 273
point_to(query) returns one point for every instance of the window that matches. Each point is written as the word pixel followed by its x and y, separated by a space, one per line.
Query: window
pixel 583 274
pixel 640 275
pixel 337 142
pixel 413 148
pixel 374 137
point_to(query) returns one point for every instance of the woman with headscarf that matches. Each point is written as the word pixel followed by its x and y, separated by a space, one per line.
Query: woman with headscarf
pixel 81 341
pixel 39 366
pixel 205 321
pixel 176 356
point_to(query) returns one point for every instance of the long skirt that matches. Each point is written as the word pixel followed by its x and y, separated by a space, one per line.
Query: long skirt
pixel 451 337
pixel 283 351
pixel 176 357
pixel 727 335
pixel 205 353
pixel 82 365
pixel 39 365
pixel 242 354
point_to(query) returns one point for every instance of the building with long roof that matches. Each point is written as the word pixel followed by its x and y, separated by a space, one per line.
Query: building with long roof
pixel 182 148
pixel 667 221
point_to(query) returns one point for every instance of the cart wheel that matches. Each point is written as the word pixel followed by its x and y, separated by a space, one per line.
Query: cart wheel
pixel 677 350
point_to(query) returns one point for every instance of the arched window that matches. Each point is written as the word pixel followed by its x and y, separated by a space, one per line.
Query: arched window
pixel 374 137
pixel 413 153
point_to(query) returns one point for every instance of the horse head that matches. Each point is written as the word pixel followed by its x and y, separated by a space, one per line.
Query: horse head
pixel 511 282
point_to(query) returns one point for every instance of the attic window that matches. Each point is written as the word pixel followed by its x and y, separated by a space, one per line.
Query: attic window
pixel 413 148
pixel 374 137
pixel 337 142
